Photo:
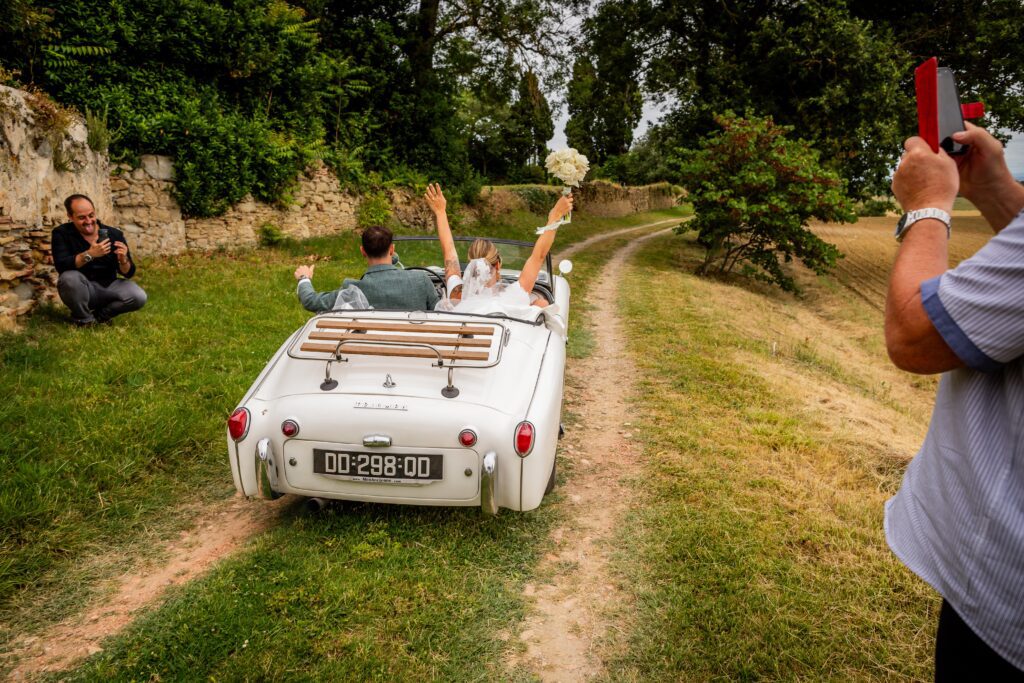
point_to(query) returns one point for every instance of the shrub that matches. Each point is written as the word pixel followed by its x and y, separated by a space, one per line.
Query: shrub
pixel 270 235
pixel 753 192
pixel 468 189
pixel 529 173
pixel 99 135
pixel 538 199
pixel 375 209
pixel 875 207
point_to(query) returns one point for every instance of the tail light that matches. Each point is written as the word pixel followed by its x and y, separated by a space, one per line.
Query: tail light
pixel 467 437
pixel 524 438
pixel 290 428
pixel 238 424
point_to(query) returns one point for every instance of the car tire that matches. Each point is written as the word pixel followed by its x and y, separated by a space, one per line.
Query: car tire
pixel 551 480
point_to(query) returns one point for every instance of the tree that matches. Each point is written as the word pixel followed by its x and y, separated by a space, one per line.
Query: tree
pixel 422 58
pixel 604 97
pixel 530 124
pixel 581 101
pixel 753 192
pixel 978 39
pixel 835 78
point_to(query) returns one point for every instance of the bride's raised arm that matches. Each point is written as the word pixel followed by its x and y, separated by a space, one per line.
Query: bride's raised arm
pixel 531 269
pixel 438 205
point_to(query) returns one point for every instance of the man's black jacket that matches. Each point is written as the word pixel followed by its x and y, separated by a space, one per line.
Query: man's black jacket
pixel 67 243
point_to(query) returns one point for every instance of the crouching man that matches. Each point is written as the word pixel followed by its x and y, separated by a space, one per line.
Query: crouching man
pixel 95 266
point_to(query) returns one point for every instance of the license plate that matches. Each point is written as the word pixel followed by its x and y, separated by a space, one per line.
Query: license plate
pixel 378 467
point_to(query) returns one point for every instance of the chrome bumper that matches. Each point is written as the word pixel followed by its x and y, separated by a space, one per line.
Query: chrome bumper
pixel 266 470
pixel 489 483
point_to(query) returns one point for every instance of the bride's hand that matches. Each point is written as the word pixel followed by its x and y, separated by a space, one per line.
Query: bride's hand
pixel 562 207
pixel 435 198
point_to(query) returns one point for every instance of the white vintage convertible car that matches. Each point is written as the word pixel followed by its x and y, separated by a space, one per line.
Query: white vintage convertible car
pixel 411 407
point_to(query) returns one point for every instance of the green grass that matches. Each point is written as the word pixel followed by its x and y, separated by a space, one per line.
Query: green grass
pixel 367 592
pixel 114 435
pixel 755 547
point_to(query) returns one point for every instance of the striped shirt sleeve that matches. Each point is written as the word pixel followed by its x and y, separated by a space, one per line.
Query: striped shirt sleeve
pixel 978 307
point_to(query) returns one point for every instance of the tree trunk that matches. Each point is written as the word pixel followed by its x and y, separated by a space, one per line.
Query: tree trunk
pixel 420 44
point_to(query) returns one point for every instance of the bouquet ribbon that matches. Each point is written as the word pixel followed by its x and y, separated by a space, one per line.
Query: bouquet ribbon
pixel 554 226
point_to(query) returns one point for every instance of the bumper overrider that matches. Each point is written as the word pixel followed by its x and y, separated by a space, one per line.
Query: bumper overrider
pixel 266 470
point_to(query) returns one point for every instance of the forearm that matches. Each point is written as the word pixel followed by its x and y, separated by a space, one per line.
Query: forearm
pixel 313 301
pixel 911 339
pixel 533 265
pixel 126 269
pixel 1001 206
pixel 448 251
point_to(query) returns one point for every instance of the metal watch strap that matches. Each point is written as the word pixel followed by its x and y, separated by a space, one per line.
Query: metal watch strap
pixel 86 257
pixel 908 219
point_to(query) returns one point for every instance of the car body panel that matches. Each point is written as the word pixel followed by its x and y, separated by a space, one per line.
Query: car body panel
pixel 399 406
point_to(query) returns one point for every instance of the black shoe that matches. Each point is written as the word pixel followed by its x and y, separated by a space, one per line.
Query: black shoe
pixel 85 323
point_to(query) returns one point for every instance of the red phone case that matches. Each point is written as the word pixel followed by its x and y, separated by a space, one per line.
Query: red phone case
pixel 925 83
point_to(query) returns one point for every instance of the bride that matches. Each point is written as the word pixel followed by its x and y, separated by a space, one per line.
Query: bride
pixel 479 289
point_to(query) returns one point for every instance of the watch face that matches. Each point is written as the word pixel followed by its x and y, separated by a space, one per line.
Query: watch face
pixel 900 223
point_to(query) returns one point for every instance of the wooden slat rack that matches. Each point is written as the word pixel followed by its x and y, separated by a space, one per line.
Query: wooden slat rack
pixel 443 342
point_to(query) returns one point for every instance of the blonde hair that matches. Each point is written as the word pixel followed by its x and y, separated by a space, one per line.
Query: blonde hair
pixel 484 249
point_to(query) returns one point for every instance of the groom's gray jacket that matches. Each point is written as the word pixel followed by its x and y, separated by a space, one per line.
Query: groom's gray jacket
pixel 385 286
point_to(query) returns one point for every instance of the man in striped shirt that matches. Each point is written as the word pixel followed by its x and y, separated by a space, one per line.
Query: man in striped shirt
pixel 958 518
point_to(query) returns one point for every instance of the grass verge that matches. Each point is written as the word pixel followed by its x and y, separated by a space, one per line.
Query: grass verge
pixel 755 549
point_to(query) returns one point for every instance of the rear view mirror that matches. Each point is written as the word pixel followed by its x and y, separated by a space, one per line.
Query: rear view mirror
pixel 565 266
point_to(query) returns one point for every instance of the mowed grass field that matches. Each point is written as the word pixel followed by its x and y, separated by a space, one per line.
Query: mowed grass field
pixel 115 440
pixel 774 430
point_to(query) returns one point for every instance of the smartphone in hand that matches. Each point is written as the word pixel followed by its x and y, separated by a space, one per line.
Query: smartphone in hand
pixel 939 113
pixel 951 119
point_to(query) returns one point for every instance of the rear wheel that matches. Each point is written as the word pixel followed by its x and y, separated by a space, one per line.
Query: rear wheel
pixel 551 479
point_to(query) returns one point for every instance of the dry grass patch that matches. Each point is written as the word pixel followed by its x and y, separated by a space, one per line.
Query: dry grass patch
pixel 775 429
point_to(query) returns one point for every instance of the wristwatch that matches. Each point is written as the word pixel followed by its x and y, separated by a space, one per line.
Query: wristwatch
pixel 86 257
pixel 911 217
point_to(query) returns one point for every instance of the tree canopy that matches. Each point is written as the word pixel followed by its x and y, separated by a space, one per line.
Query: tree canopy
pixel 840 73
pixel 245 93
pixel 754 190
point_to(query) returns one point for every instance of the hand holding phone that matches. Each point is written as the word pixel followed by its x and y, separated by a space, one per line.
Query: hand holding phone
pixel 939 112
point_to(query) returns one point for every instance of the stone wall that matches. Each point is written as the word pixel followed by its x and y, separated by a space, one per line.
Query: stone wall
pixel 145 207
pixel 40 164
pixel 610 200
pixel 32 185
pixel 320 207
pixel 26 276
pixel 598 198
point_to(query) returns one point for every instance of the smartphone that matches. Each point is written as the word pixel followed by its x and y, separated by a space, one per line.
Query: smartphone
pixel 950 115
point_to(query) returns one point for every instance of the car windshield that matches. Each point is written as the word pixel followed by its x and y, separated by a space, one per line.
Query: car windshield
pixel 425 252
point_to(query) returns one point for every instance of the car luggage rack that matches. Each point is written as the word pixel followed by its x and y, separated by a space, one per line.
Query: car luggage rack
pixel 445 342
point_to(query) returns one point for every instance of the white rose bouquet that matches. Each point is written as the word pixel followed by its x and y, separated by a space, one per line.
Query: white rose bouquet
pixel 570 167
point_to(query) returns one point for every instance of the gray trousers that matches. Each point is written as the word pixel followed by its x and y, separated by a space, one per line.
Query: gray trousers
pixel 90 301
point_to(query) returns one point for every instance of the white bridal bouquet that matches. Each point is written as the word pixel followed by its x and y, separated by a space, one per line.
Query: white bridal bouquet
pixel 570 167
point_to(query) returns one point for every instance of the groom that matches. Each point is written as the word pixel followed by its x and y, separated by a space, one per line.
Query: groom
pixel 385 286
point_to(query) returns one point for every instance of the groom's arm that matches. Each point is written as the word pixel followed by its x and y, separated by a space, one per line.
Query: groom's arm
pixel 310 299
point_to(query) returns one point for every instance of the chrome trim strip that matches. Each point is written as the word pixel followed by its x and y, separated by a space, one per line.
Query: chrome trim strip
pixel 264 464
pixel 377 441
pixel 489 483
